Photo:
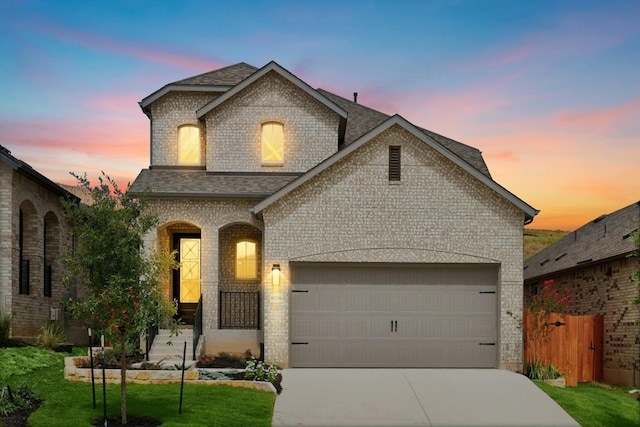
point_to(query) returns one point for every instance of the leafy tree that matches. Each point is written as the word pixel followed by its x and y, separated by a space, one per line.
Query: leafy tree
pixel 123 294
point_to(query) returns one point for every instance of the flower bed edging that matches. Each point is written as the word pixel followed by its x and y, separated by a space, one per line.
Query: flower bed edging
pixel 139 376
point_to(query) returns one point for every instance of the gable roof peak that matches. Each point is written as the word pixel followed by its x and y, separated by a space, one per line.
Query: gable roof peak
pixel 272 66
pixel 219 80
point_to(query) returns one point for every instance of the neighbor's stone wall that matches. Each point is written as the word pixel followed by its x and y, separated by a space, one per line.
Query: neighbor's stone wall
pixel 606 288
pixel 167 115
pixel 209 217
pixel 39 205
pixel 437 214
pixel 234 128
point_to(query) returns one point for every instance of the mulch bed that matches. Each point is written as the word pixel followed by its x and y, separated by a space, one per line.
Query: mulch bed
pixel 131 422
pixel 19 418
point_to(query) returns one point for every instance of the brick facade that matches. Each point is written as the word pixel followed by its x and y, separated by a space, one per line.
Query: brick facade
pixel 44 238
pixel 234 128
pixel 167 114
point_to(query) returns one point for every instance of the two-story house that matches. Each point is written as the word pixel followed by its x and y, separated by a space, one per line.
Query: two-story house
pixel 328 232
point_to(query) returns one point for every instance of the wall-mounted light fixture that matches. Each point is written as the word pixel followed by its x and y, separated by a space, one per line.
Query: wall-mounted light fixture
pixel 275 275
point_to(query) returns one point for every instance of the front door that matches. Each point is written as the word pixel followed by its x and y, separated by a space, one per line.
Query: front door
pixel 186 280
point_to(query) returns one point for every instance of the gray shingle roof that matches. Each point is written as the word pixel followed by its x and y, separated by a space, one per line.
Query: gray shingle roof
pixel 227 76
pixel 201 184
pixel 604 238
pixel 362 119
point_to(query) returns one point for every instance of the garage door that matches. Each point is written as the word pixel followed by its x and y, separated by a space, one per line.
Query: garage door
pixel 346 315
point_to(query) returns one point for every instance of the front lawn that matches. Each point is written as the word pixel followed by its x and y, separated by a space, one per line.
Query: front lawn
pixel 594 405
pixel 70 403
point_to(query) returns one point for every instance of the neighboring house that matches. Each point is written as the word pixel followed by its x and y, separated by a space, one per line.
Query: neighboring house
pixel 594 262
pixel 330 233
pixel 32 238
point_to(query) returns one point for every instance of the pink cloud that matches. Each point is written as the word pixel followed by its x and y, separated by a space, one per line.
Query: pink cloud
pixel 115 102
pixel 129 48
pixel 56 147
pixel 600 119
pixel 502 156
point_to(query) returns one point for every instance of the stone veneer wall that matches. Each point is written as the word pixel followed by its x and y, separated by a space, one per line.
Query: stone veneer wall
pixel 607 288
pixel 167 114
pixel 234 128
pixel 437 214
pixel 209 216
pixel 32 311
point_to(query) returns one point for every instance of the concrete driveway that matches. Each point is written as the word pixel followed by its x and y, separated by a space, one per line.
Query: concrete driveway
pixel 413 397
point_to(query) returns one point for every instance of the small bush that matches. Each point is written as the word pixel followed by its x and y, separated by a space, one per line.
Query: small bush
pixel 222 360
pixel 538 370
pixel 51 336
pixel 11 402
pixel 258 371
pixel 5 328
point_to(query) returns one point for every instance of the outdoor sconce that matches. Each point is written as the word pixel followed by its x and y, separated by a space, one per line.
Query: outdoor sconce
pixel 275 275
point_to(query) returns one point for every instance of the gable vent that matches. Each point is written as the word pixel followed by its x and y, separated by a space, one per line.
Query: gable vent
pixel 394 163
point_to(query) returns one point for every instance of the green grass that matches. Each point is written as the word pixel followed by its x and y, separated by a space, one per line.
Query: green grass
pixel 537 240
pixel 70 403
pixel 595 405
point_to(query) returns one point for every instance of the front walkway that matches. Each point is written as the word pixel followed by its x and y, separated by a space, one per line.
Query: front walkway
pixel 417 397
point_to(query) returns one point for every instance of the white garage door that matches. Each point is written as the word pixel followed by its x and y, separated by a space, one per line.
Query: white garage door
pixel 346 315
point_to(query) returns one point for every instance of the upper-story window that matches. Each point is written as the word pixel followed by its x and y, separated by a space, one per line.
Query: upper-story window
pixel 189 145
pixel 272 144
pixel 246 262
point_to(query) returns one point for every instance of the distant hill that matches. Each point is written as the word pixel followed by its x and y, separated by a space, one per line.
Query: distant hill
pixel 537 240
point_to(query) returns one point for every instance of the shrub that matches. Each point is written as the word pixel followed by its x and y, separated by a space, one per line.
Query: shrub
pixel 258 371
pixel 11 402
pixel 5 328
pixel 537 370
pixel 51 336
pixel 221 360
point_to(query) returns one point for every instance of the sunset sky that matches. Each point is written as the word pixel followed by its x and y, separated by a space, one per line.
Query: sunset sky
pixel 549 91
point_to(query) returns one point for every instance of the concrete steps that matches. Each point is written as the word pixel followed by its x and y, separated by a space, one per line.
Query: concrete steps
pixel 170 348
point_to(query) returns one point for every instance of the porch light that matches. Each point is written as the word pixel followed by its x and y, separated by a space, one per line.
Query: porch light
pixel 275 275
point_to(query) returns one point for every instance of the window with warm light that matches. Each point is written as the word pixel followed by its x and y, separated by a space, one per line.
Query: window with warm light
pixel 272 144
pixel 188 145
pixel 246 264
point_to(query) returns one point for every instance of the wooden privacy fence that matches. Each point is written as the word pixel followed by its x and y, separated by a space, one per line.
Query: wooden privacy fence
pixel 574 347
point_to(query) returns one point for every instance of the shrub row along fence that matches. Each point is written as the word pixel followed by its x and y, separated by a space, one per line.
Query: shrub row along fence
pixel 574 346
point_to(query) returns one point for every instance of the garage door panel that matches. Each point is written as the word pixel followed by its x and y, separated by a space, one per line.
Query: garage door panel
pixel 370 353
pixel 475 327
pixel 463 354
pixel 386 324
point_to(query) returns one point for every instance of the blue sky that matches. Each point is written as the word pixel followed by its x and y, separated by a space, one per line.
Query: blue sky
pixel 547 90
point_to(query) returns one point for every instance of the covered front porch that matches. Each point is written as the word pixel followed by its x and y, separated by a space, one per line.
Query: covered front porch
pixel 217 288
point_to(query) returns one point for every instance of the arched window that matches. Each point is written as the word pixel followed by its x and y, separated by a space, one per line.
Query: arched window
pixel 246 265
pixel 189 145
pixel 272 144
